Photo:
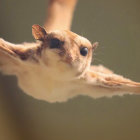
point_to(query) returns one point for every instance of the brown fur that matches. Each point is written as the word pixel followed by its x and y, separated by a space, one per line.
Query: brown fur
pixel 60 73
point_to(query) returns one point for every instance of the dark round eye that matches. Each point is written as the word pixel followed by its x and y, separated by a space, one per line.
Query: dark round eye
pixel 84 51
pixel 55 43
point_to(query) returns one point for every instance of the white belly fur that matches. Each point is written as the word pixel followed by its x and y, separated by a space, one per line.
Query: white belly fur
pixel 45 84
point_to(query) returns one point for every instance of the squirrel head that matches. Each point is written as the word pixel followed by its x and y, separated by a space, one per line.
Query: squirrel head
pixel 65 47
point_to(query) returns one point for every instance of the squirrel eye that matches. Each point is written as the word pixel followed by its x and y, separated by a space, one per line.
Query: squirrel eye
pixel 55 43
pixel 84 51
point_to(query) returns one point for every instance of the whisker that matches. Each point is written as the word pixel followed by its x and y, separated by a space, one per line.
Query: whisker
pixel 98 60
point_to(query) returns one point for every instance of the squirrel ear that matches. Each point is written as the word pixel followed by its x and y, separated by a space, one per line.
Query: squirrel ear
pixel 38 32
pixel 95 45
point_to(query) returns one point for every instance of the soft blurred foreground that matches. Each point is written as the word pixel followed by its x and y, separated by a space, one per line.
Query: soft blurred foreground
pixel 116 25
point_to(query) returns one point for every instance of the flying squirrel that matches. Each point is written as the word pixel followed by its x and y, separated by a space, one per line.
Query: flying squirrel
pixel 58 67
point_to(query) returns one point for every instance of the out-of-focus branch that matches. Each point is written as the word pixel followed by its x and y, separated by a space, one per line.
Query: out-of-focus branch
pixel 60 14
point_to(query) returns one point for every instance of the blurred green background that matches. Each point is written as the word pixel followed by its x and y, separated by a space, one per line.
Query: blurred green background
pixel 116 25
